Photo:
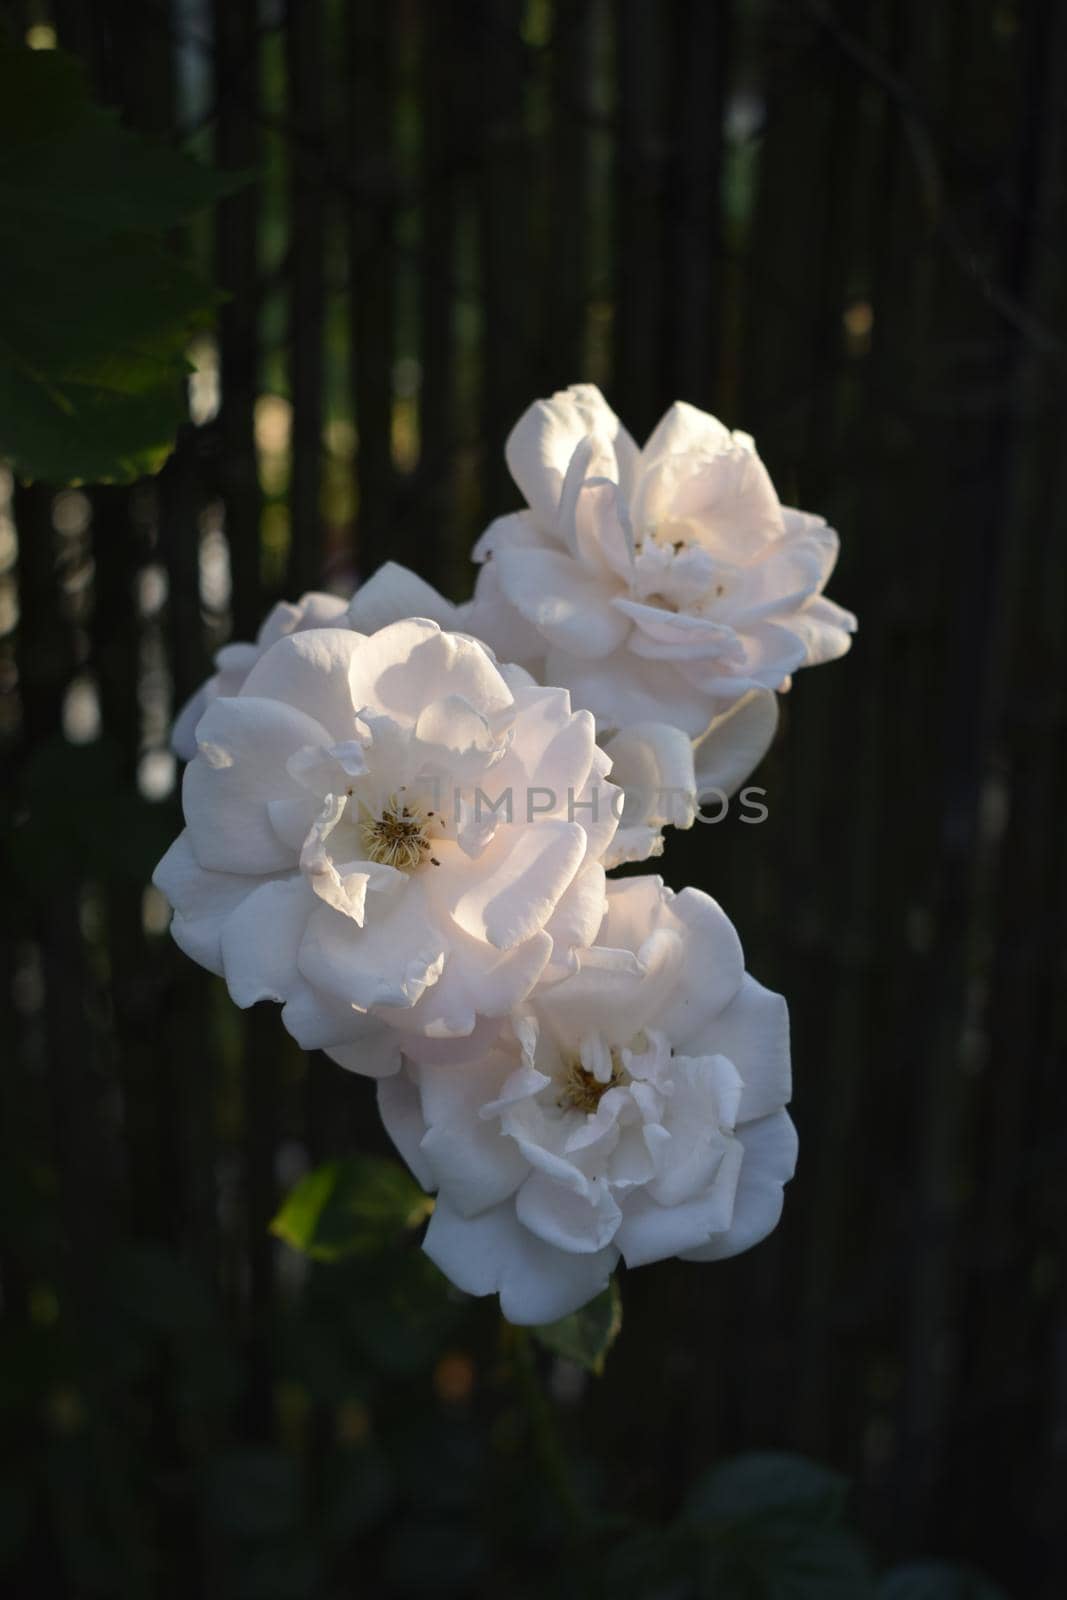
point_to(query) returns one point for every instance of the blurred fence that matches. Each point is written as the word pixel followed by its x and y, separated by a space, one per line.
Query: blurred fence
pixel 840 229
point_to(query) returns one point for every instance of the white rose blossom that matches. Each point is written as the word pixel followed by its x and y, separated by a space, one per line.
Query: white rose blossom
pixel 661 584
pixel 634 1109
pixel 338 856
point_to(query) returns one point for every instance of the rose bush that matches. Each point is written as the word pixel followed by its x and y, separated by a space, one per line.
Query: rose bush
pixel 635 1109
pixel 658 584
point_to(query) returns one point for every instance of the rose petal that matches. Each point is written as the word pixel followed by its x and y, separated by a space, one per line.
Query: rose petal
pixel 401 1113
pixel 374 1053
pixel 201 900
pixel 561 1217
pixel 312 672
pixel 542 442
pixel 753 1031
pixel 554 593
pixel 524 872
pixel 770 1153
pixel 653 764
pixel 261 938
pixel 650 1232
pixel 389 962
pixel 244 744
pixel 393 593
pixel 625 689
pixel 735 743
pixel 403 667
pixel 493 1252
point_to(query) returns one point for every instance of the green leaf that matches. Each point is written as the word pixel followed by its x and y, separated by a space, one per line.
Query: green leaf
pixel 937 1580
pixel 768 1527
pixel 587 1335
pixel 355 1207
pixel 406 1310
pixel 766 1481
pixel 112 831
pixel 96 311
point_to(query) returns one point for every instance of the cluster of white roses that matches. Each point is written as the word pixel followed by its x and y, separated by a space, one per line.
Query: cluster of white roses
pixel 398 824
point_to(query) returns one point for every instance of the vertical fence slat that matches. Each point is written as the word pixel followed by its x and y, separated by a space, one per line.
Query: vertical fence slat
pixel 638 381
pixel 305 62
pixel 563 293
pixel 441 159
pixel 693 245
pixel 237 147
pixel 372 268
pixel 505 244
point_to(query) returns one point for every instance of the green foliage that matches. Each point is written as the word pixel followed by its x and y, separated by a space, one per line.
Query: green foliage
pixel 587 1335
pixel 351 1208
pixel 766 1482
pixel 759 1527
pixel 96 311
pixel 771 1527
pixel 112 831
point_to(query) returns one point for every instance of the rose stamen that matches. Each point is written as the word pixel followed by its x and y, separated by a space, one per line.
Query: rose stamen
pixel 583 1091
pixel 397 838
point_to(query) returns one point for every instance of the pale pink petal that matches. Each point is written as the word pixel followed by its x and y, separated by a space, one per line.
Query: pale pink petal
pixel 393 593
pixel 651 1232
pixel 492 618
pixel 475 1164
pixel 753 1031
pixel 684 428
pixel 577 917
pixel 735 743
pixel 715 967
pixel 201 900
pixel 401 1114
pixel 374 1053
pixel 244 744
pixel 561 1217
pixel 614 1000
pixel 313 610
pixel 494 1253
pixel 261 938
pixel 319 1021
pixel 652 762
pixel 478 982
pixel 825 631
pixel 404 666
pixel 183 733
pixel 390 961
pixel 625 689
pixel 312 672
pixel 553 592
pixel 770 1153
pixel 523 873
pixel 542 442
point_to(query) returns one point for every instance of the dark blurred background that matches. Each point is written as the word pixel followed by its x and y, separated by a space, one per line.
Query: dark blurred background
pixel 842 229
